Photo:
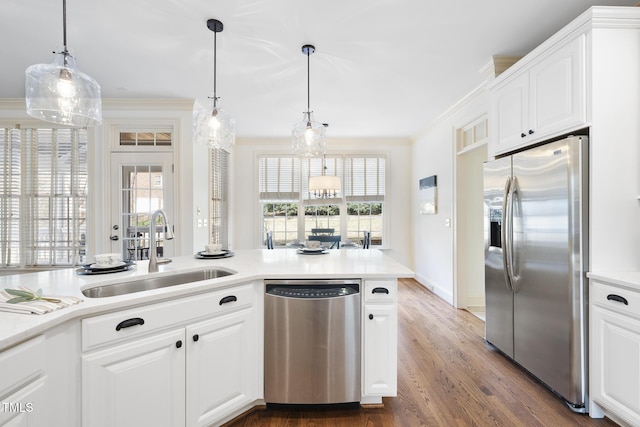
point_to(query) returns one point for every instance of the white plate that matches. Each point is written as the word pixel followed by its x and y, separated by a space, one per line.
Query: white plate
pixel 116 265
pixel 205 253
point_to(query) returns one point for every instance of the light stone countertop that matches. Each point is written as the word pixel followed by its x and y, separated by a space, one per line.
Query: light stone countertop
pixel 250 265
pixel 626 279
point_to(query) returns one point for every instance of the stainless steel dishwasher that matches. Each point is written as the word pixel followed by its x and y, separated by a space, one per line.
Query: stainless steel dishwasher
pixel 312 341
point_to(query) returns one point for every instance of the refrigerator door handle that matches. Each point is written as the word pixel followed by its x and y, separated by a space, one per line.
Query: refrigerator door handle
pixel 504 233
pixel 513 195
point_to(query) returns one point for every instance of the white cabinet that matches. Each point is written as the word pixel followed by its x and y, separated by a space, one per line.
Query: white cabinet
pixel 380 336
pixel 136 384
pixel 222 368
pixel 615 351
pixel 192 361
pixel 23 392
pixel 545 99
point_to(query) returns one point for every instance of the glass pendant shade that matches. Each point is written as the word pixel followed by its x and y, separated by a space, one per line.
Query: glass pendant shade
pixel 221 129
pixel 60 93
pixel 309 137
pixel 324 186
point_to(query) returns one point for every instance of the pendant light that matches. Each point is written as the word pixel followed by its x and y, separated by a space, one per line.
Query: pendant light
pixel 309 136
pixel 324 186
pixel 59 92
pixel 219 128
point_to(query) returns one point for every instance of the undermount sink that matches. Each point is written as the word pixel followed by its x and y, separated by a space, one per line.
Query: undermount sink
pixel 154 283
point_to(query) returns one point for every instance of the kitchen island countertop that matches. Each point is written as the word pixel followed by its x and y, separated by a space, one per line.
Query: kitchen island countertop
pixel 249 265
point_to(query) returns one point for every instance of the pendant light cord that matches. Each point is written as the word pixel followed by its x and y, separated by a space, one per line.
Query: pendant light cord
pixel 308 83
pixel 215 45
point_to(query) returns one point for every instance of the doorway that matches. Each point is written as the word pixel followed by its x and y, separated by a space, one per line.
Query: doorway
pixel 469 235
pixel 141 183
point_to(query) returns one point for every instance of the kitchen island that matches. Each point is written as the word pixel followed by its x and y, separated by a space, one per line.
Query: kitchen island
pixel 198 360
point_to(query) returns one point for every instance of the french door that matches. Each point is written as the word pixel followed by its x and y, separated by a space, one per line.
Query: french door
pixel 141 183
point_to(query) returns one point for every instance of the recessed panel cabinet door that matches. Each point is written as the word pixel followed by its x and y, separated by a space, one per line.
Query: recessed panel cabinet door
pixel 380 355
pixel 135 384
pixel 222 366
pixel 558 90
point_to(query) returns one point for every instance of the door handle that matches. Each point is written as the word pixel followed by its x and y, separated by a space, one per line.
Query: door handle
pixel 506 221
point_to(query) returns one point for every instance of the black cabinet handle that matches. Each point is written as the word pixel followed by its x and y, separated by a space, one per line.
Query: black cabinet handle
pixel 380 291
pixel 230 298
pixel 178 344
pixel 196 337
pixel 371 317
pixel 614 297
pixel 530 132
pixel 522 135
pixel 130 322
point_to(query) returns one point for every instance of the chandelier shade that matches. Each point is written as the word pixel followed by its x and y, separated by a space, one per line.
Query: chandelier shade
pixel 324 186
pixel 309 136
pixel 60 93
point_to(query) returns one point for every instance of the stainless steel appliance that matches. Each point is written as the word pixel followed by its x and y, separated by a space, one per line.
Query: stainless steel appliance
pixel 536 259
pixel 312 341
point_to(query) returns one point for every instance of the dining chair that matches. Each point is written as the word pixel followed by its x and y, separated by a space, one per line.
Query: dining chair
pixel 367 240
pixel 269 239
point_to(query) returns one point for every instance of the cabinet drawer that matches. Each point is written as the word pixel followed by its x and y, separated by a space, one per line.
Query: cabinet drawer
pixel 109 328
pixel 380 290
pixel 21 364
pixel 615 298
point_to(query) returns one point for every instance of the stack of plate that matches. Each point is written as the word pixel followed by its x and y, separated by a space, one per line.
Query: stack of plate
pixel 96 269
pixel 313 251
pixel 208 255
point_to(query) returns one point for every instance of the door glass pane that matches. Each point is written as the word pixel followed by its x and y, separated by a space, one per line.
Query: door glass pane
pixel 142 194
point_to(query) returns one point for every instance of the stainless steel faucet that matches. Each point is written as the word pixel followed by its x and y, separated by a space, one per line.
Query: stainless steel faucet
pixel 153 250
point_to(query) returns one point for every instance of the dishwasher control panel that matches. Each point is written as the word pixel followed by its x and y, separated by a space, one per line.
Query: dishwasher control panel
pixel 312 291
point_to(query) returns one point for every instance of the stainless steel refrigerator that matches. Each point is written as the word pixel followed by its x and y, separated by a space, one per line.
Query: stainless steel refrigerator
pixel 536 259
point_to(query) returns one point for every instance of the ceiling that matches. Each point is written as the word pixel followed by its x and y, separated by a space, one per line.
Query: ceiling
pixel 382 68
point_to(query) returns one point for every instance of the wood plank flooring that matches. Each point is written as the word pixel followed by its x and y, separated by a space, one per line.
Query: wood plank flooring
pixel 447 376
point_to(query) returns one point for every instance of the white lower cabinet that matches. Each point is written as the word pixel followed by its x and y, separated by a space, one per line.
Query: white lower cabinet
pixel 23 393
pixel 222 368
pixel 136 384
pixel 615 351
pixel 380 336
pixel 196 372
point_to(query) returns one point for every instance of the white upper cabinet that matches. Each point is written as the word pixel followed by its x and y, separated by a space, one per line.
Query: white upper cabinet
pixel 546 98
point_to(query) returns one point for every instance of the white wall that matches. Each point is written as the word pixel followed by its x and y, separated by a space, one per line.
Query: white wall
pixel 434 154
pixel 245 227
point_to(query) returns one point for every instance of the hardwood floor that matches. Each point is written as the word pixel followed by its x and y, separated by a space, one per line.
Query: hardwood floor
pixel 447 376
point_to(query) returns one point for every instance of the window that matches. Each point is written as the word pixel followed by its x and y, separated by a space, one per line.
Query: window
pixel 43 197
pixel 279 194
pixel 219 208
pixel 364 188
pixel 283 186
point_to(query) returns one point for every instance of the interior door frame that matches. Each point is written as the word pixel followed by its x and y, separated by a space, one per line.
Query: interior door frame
pixel 120 159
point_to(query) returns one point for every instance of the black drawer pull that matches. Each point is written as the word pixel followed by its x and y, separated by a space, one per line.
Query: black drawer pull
pixel 371 317
pixel 130 322
pixel 196 337
pixel 380 291
pixel 614 297
pixel 230 298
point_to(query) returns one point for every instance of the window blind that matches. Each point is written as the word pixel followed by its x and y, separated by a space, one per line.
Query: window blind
pixel 279 178
pixel 219 209
pixel 44 196
pixel 364 179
